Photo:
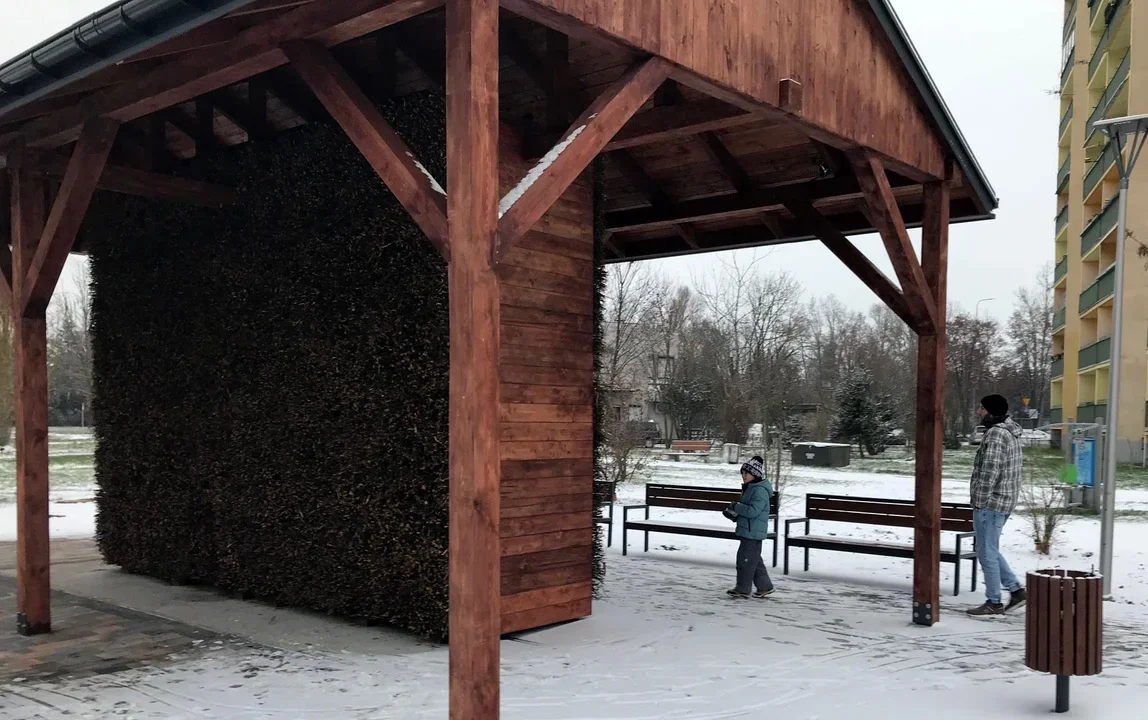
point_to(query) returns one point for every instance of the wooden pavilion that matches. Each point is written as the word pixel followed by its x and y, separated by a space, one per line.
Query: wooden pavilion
pixel 724 125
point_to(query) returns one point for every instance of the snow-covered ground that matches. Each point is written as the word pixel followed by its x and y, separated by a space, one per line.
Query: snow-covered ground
pixel 664 642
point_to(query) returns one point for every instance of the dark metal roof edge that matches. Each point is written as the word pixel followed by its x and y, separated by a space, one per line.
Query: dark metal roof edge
pixel 971 169
pixel 196 17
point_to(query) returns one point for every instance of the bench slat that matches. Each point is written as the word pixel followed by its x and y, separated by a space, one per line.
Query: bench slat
pixel 692 529
pixel 866 547
pixel 691 445
pixel 692 493
pixel 955 517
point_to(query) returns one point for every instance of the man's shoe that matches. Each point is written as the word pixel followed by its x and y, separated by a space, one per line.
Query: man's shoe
pixel 735 593
pixel 759 594
pixel 1016 599
pixel 987 609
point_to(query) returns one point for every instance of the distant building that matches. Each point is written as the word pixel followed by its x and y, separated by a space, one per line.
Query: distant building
pixel 1101 78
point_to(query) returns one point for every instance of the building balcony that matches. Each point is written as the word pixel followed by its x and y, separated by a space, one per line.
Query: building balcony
pixel 1060 271
pixel 1061 220
pixel 1098 169
pixel 1066 120
pixel 1115 85
pixel 1099 227
pixel 1058 367
pixel 1062 174
pixel 1066 73
pixel 1113 16
pixel 1058 319
pixel 1091 412
pixel 1095 354
pixel 1098 291
pixel 1094 8
pixel 1070 20
pixel 1056 415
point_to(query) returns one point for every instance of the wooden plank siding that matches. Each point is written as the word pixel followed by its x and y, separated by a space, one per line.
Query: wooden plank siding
pixel 546 370
pixel 852 83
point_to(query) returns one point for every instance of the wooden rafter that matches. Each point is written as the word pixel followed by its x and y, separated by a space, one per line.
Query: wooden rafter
pixel 730 168
pixel 205 140
pixel 689 235
pixel 532 197
pixel 240 114
pixel 253 51
pixel 819 226
pixel 886 217
pixel 677 122
pixel 411 183
pixel 286 86
pixel 75 193
pixel 126 180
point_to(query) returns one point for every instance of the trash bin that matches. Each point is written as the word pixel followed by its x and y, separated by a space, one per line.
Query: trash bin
pixel 732 453
pixel 1064 626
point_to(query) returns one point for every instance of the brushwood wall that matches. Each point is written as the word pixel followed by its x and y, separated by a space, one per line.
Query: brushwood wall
pixel 271 383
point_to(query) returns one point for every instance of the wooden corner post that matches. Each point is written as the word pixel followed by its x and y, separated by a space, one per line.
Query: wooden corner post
pixel 30 340
pixel 472 213
pixel 930 403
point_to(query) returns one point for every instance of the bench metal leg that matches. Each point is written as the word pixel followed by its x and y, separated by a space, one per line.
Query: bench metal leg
pixel 775 549
pixel 610 527
pixel 647 548
pixel 623 537
pixel 786 550
pixel 974 584
pixel 957 577
pixel 806 559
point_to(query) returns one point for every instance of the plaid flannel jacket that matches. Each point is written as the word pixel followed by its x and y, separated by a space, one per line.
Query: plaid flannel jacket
pixel 997 469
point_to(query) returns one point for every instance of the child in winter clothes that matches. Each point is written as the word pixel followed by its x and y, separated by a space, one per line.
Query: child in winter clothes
pixel 751 514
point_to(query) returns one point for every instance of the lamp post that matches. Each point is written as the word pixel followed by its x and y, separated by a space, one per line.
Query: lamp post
pixel 977 334
pixel 1124 132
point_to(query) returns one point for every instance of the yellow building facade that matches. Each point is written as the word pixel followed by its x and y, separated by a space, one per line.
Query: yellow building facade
pixel 1104 74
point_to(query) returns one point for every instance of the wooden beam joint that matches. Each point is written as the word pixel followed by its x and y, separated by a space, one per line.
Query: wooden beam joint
pixel 527 202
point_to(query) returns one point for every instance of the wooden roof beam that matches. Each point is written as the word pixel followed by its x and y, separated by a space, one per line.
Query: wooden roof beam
pixel 536 69
pixel 677 122
pixel 125 180
pixel 413 186
pixel 886 217
pixel 819 226
pixel 726 162
pixel 253 51
pixel 525 204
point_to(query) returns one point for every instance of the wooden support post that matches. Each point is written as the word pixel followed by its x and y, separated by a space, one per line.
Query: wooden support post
pixel 33 582
pixel 930 404
pixel 532 197
pixel 472 168
pixel 406 177
pixel 887 220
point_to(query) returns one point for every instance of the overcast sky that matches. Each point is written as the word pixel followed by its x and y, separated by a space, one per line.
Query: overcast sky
pixel 997 64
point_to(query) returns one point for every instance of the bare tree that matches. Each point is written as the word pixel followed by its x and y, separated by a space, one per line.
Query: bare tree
pixel 972 353
pixel 630 292
pixel 1030 330
pixel 668 316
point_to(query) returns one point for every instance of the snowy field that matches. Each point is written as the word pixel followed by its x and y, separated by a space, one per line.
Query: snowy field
pixel 71 472
pixel 665 642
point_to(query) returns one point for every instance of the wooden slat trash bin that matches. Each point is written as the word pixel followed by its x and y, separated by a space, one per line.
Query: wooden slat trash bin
pixel 1064 626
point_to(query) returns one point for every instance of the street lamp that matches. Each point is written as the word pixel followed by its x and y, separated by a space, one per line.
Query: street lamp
pixel 977 309
pixel 1124 132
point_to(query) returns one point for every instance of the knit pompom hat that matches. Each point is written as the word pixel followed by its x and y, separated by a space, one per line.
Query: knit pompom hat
pixel 755 466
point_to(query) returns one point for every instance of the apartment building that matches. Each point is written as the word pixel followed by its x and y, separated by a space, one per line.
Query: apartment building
pixel 1104 74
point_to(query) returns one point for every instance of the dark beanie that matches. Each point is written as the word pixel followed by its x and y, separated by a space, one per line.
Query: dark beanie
pixel 755 466
pixel 995 405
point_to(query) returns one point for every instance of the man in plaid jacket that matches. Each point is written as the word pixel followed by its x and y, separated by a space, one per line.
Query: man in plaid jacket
pixel 994 491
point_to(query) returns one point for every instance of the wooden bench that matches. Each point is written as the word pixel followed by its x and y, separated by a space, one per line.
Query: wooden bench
pixel 955 517
pixel 698 448
pixel 604 493
pixel 689 497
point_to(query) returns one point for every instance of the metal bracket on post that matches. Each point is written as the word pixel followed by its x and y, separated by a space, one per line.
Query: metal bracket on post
pixel 923 613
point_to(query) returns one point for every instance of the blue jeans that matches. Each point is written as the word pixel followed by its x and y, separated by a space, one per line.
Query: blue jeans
pixel 988 525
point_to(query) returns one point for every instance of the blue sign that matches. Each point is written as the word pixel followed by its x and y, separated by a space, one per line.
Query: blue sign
pixel 1085 461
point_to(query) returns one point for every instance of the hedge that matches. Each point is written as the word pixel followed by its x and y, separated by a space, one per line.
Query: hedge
pixel 271 381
